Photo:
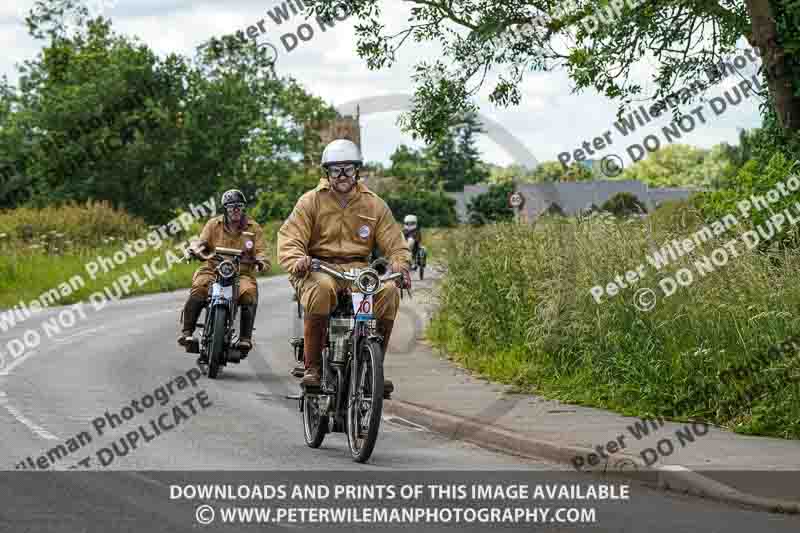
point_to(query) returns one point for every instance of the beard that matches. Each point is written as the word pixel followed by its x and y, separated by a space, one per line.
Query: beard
pixel 343 186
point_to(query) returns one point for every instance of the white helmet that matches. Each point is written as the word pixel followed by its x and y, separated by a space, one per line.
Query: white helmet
pixel 410 221
pixel 342 151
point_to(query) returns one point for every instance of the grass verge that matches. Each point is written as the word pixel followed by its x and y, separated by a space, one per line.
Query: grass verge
pixel 516 307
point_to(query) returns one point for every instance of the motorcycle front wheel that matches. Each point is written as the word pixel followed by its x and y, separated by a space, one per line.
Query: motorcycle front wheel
pixel 315 425
pixel 217 348
pixel 365 400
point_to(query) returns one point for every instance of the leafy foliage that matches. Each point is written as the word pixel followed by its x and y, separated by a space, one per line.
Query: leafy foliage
pixel 491 206
pixel 513 38
pixel 451 162
pixel 755 178
pixel 98 115
pixel 623 204
pixel 433 209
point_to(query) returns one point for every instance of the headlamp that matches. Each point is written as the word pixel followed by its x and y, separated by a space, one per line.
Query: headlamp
pixel 226 269
pixel 368 281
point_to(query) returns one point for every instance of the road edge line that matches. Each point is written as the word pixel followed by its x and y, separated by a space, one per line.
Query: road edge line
pixel 670 477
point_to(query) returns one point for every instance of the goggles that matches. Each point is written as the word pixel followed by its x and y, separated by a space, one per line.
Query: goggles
pixel 232 206
pixel 336 171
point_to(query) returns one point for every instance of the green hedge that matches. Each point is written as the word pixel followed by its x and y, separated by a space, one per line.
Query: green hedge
pixel 433 209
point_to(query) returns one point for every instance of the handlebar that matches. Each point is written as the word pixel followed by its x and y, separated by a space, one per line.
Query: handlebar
pixel 221 254
pixel 319 266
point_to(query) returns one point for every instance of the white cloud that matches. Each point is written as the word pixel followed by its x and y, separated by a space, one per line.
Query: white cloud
pixel 550 120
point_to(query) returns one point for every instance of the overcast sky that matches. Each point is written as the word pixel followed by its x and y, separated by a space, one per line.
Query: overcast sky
pixel 550 120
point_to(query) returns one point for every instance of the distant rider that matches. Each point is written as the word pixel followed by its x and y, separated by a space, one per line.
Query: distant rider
pixel 233 229
pixel 411 229
pixel 339 222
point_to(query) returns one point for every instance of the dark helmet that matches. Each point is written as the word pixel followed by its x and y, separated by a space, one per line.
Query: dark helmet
pixel 233 196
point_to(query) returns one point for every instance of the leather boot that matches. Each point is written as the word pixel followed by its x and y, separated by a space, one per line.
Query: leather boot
pixel 314 331
pixel 385 328
pixel 191 312
pixel 248 318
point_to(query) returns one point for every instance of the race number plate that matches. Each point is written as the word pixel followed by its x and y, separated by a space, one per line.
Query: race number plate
pixel 362 306
pixel 225 292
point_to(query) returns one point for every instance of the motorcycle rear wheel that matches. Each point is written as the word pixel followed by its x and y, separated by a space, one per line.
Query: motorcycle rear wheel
pixel 365 400
pixel 314 424
pixel 217 348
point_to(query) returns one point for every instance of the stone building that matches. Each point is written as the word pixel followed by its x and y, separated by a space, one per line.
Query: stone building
pixel 572 197
pixel 319 134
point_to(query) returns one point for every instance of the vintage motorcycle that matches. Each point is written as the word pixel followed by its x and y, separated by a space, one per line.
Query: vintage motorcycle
pixel 218 346
pixel 350 396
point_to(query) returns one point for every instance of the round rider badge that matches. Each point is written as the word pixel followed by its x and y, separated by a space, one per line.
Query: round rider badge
pixel 248 245
pixel 363 232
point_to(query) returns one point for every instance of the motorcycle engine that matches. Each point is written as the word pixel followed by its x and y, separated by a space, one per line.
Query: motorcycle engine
pixel 339 331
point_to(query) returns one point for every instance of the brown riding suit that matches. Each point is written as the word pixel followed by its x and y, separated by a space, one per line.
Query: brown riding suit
pixel 321 228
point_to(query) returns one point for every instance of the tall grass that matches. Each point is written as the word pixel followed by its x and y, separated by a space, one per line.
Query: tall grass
pixel 516 306
pixel 43 248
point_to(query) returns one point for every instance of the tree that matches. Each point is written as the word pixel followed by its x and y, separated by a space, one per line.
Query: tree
pixel 515 37
pixel 521 174
pixel 473 169
pixel 412 166
pixel 433 209
pixel 624 204
pixel 577 172
pixel 491 206
pixel 549 171
pixel 456 159
pixel 98 115
pixel 676 165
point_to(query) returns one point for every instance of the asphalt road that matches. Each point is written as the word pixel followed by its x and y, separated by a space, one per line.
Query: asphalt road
pixel 244 422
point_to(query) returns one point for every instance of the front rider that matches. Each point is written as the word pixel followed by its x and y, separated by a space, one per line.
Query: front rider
pixel 233 229
pixel 339 222
pixel 411 229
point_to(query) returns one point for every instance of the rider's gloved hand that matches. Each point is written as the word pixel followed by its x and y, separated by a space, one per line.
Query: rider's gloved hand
pixel 302 265
pixel 405 281
pixel 260 265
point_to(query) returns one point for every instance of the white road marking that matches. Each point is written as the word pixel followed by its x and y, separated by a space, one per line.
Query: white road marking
pixel 147 479
pixel 400 421
pixel 37 429
pixel 77 334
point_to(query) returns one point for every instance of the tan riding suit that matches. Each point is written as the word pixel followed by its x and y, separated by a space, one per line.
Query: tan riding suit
pixel 345 236
pixel 217 234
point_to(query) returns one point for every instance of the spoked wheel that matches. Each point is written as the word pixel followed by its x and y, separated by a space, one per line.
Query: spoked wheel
pixel 217 348
pixel 315 425
pixel 365 400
